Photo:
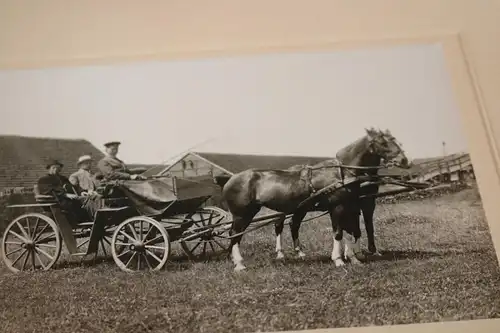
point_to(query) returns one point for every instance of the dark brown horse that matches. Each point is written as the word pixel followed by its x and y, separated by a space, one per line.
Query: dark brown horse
pixel 247 192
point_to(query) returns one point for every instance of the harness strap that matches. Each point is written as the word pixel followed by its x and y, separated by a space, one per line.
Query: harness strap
pixel 309 179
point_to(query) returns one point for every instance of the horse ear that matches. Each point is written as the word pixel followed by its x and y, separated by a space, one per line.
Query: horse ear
pixel 369 133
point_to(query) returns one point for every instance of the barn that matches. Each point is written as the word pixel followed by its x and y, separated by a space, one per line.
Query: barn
pixel 23 159
pixel 195 164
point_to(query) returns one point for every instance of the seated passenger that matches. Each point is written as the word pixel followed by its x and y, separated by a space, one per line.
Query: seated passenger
pixel 60 187
pixel 113 168
pixel 82 180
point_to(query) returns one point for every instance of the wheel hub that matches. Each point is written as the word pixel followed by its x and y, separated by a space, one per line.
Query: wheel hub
pixel 138 247
pixel 28 245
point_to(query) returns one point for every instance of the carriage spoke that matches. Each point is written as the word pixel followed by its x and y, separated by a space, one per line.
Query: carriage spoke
pixel 103 248
pixel 107 240
pixel 20 256
pixel 14 251
pixel 147 261
pixel 211 246
pixel 83 243
pixel 194 248
pixel 139 261
pixel 153 255
pixel 152 240
pixel 124 253
pixel 134 232
pixel 35 238
pixel 35 228
pixel 26 260
pixel 154 247
pixel 44 238
pixel 130 259
pixel 45 254
pixel 28 231
pixel 147 233
pixel 23 231
pixel 140 231
pixel 47 245
pixel 40 260
pixel 204 249
pixel 222 246
pixel 126 235
pixel 18 236
pixel 13 243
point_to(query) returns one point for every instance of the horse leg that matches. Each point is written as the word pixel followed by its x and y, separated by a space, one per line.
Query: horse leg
pixel 337 237
pixel 278 229
pixel 353 249
pixel 239 225
pixel 368 209
pixel 294 229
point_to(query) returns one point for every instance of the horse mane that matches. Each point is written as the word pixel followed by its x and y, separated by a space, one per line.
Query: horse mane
pixel 352 149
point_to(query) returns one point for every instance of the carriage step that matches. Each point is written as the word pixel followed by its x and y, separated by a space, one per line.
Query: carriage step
pixel 79 254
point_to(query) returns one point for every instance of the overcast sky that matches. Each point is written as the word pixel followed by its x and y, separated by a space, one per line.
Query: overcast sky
pixel 302 103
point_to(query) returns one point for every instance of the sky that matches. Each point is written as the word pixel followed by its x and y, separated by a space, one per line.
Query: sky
pixel 290 103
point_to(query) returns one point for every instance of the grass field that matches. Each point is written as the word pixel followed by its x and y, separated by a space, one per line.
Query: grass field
pixel 438 264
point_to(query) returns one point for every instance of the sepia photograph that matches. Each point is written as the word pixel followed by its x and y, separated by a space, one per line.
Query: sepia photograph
pixel 258 193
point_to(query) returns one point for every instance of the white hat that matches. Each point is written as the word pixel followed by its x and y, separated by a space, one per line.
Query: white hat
pixel 84 158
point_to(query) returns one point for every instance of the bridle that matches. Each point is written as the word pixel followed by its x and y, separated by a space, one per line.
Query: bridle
pixel 342 170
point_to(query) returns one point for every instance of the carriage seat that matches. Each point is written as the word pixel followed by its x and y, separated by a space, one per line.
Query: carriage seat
pixel 42 198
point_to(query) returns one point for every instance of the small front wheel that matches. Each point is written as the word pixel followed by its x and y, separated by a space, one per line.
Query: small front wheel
pixel 140 243
pixel 210 224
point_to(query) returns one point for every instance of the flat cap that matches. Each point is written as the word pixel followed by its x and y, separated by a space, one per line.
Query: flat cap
pixel 112 143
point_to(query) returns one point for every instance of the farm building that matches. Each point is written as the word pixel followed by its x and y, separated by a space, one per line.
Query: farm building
pixel 195 164
pixel 23 159
pixel 450 168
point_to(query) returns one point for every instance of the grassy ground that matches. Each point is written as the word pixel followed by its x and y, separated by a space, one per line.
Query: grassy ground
pixel 438 264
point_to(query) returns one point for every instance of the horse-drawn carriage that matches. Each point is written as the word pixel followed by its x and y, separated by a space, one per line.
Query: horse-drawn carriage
pixel 141 219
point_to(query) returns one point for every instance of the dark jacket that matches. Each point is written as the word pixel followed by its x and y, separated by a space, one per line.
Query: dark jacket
pixel 57 185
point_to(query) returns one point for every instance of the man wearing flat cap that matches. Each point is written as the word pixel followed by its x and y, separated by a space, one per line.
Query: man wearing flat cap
pixel 113 168
pixel 57 185
pixel 82 180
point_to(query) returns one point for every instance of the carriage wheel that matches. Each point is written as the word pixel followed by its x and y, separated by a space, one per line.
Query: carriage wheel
pixel 145 245
pixel 209 241
pixel 31 242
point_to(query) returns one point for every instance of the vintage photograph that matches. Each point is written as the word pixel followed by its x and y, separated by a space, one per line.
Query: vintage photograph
pixel 270 192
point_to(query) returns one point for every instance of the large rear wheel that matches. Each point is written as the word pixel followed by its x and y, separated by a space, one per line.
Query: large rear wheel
pixel 31 242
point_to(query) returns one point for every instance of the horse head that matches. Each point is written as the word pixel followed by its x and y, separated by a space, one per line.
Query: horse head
pixel 385 145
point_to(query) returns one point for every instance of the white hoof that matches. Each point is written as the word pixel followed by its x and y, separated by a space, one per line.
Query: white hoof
pixel 280 255
pixel 338 262
pixel 239 268
pixel 301 254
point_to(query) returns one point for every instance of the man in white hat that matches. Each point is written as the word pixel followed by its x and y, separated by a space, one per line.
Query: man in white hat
pixel 112 168
pixel 82 180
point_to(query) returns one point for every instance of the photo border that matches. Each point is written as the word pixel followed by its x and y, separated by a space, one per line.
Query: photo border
pixel 464 56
